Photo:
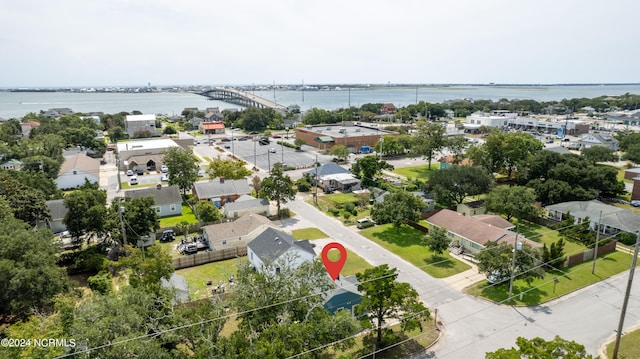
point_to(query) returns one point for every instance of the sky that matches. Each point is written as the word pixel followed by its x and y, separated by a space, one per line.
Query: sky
pixel 46 43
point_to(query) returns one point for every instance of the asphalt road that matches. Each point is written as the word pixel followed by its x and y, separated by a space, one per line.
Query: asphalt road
pixel 472 326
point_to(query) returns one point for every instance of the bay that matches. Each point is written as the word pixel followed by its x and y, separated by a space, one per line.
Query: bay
pixel 17 104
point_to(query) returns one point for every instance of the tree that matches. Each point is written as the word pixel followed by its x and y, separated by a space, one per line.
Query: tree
pixel 633 153
pixel 497 260
pixel 299 142
pixel 147 265
pixel 29 275
pixel 227 169
pixel 595 154
pixel 541 349
pixel 369 168
pixel 456 145
pixel 281 313
pixel 28 204
pixel 451 185
pixel 398 208
pixel 429 139
pixel 207 211
pixel 169 130
pixel 437 240
pixel 341 152
pixel 512 201
pixel 278 186
pixel 383 299
pixel 183 169
pixel 138 215
pixel 183 226
pixel 86 210
pixel 504 151
pixel 553 256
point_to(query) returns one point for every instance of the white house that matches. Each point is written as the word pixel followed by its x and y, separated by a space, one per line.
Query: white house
pixel 274 250
pixel 137 123
pixel 168 201
pixel 246 204
pixel 236 233
pixel 221 191
pixel 598 139
pixel 76 169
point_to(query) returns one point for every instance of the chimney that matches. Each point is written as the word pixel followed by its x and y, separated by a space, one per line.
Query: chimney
pixel 221 179
pixel 159 186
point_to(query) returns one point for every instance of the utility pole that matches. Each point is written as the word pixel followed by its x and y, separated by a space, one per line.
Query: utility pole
pixel 255 164
pixel 626 297
pixel 124 231
pixel 595 251
pixel 513 265
pixel 269 160
pixel 315 198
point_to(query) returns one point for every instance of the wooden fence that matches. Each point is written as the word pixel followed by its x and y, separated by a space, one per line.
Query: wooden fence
pixel 588 254
pixel 208 257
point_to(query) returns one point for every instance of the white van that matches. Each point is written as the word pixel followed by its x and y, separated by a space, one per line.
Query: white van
pixel 133 180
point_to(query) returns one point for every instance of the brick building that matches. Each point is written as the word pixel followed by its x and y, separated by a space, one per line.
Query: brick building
pixel 326 136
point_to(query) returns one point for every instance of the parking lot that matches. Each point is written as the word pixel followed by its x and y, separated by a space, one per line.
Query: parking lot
pixel 264 156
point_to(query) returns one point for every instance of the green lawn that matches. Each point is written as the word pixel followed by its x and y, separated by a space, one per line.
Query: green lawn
pixel 569 280
pixel 308 233
pixel 339 199
pixel 354 264
pixel 216 272
pixel 544 235
pixel 187 215
pixel 629 346
pixel 407 243
pixel 417 172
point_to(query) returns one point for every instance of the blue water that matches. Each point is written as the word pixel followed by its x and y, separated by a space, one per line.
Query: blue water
pixel 16 104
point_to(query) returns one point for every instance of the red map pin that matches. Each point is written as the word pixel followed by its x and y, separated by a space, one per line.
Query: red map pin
pixel 334 268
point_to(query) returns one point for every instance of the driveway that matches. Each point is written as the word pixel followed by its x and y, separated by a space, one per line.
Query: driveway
pixel 473 326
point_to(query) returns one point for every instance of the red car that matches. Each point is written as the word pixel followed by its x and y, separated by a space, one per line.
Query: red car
pixel 277 136
pixel 111 148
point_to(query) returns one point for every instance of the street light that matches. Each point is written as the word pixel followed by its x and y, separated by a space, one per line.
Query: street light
pixel 513 264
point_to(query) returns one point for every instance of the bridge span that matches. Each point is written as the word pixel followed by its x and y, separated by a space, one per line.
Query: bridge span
pixel 241 98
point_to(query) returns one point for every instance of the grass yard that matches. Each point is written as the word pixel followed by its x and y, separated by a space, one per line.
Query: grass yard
pixel 337 202
pixel 421 173
pixel 187 215
pixel 629 345
pixel 543 290
pixel 308 233
pixel 544 235
pixel 354 264
pixel 407 243
pixel 216 272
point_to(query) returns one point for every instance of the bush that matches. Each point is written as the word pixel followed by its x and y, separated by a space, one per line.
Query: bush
pixel 91 260
pixel 333 211
pixel 284 213
pixel 101 283
pixel 349 207
pixel 303 185
pixel 346 215
pixel 627 238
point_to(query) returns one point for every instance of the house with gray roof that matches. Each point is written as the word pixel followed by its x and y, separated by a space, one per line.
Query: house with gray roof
pixel 57 210
pixel 221 191
pixel 168 201
pixel 612 219
pixel 332 177
pixel 273 250
pixel 598 139
pixel 326 169
pixel 246 204
pixel 180 286
pixel 235 233
pixel 12 164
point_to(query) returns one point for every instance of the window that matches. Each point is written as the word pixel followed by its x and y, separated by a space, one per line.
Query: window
pixel 75 172
pixel 173 207
pixel 157 209
pixel 277 270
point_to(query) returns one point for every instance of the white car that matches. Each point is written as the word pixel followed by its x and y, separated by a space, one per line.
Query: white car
pixel 272 150
pixel 129 173
pixel 201 173
pixel 164 178
pixel 133 180
pixel 164 169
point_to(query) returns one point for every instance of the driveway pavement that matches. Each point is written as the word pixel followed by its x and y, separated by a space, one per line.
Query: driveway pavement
pixel 473 326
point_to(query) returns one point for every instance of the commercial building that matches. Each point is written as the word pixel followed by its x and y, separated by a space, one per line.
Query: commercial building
pixel 353 136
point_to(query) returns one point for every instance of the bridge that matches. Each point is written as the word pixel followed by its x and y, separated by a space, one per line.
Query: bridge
pixel 241 98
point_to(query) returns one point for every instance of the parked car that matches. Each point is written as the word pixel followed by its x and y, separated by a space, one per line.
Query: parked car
pixel 277 136
pixel 272 150
pixel 201 173
pixel 164 178
pixel 226 145
pixel 635 203
pixel 129 173
pixel 133 180
pixel 140 172
pixel 167 236
pixel 164 169
pixel 365 223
